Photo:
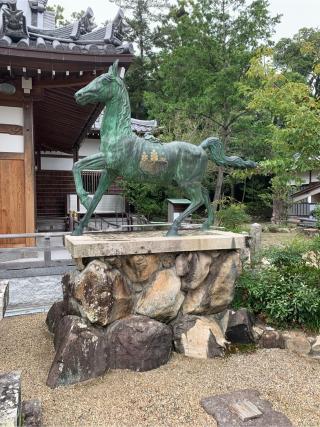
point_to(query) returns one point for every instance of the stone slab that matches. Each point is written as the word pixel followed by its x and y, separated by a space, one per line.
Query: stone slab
pixel 10 399
pixel 123 243
pixel 220 407
pixel 4 297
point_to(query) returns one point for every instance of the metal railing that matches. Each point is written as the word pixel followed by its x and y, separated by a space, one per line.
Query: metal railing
pixel 301 209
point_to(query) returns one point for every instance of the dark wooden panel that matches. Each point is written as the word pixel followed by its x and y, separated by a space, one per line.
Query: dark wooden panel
pixel 52 189
pixel 11 129
pixel 11 156
pixel 12 201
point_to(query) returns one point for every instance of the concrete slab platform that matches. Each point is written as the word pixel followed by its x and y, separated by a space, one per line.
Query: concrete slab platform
pixel 134 243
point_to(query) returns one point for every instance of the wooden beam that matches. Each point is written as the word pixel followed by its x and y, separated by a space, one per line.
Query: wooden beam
pixel 11 129
pixel 11 156
pixel 56 83
pixel 29 169
pixel 59 61
pixel 88 125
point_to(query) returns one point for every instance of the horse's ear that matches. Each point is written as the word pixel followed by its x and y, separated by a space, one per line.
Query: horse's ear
pixel 115 71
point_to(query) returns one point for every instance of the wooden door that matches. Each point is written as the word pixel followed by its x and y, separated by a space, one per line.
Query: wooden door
pixel 12 201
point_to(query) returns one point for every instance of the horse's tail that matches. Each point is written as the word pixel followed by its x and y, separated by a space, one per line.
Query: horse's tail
pixel 218 156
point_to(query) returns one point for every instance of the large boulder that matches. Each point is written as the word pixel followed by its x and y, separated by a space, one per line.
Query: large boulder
pixel 139 268
pixel 193 268
pixel 316 346
pixel 163 298
pixel 138 343
pixel 272 339
pixel 101 294
pixel 55 314
pixel 297 342
pixel 80 352
pixel 217 290
pixel 240 327
pixel 198 337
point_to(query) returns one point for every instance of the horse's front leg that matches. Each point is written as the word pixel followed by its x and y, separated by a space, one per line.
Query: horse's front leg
pixel 104 183
pixel 93 162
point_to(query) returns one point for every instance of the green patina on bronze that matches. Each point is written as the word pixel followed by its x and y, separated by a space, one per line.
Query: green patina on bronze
pixel 136 159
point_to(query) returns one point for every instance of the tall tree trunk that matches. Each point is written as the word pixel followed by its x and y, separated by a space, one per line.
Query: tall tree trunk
pixel 224 135
pixel 279 211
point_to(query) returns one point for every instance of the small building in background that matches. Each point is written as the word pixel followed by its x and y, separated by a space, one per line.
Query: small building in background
pixel 176 207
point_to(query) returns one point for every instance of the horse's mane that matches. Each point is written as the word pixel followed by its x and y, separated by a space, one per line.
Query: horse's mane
pixel 125 109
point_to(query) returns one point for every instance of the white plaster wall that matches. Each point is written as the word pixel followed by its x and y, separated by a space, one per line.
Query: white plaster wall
pixel 11 116
pixel 315 175
pixel 11 143
pixel 24 5
pixel 56 164
pixel 89 146
pixel 54 153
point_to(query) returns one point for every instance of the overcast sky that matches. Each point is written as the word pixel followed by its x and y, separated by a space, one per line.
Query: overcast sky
pixel 296 13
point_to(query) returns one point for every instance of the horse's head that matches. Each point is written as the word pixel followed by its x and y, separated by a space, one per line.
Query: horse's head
pixel 102 89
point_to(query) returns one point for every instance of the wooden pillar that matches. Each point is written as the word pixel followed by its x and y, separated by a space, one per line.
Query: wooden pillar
pixel 75 159
pixel 29 169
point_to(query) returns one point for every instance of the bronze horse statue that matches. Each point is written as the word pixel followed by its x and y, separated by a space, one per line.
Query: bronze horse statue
pixel 124 154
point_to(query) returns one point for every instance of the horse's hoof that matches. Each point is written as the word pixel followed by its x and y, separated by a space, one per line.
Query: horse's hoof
pixel 77 232
pixel 206 226
pixel 172 232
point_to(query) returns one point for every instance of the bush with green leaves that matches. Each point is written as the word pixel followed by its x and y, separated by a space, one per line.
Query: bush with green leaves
pixel 233 216
pixel 284 286
pixel 316 214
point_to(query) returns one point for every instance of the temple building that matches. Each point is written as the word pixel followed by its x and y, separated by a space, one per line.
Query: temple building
pixel 42 129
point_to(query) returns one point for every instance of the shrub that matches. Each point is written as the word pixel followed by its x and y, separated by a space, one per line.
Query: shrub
pixel 286 290
pixel 316 214
pixel 233 216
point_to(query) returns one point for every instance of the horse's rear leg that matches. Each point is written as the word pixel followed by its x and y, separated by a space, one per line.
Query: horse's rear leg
pixel 205 194
pixel 195 194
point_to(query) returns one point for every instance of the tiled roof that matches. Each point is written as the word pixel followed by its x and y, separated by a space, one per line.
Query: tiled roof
pixel 307 189
pixel 138 126
pixel 80 36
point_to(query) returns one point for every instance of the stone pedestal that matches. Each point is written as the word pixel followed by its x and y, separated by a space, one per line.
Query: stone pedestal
pixel 135 296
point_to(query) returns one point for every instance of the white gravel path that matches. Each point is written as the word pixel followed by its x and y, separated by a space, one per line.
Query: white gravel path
pixel 168 396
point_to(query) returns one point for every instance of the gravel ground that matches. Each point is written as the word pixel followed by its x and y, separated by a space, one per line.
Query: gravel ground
pixel 168 396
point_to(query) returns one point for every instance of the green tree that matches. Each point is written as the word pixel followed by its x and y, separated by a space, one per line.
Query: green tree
pixel 60 18
pixel 293 129
pixel 301 55
pixel 141 16
pixel 206 48
pixel 59 14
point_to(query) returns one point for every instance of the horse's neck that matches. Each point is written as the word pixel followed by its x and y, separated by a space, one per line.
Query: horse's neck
pixel 116 122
